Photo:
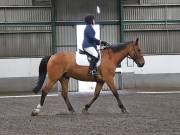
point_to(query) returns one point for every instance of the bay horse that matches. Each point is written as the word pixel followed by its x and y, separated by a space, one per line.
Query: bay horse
pixel 61 66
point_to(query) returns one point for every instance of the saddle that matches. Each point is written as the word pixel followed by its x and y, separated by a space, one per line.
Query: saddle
pixel 82 58
pixel 82 52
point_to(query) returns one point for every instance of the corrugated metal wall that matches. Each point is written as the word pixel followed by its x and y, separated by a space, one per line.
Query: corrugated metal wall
pixel 151 42
pixel 109 10
pixel 156 25
pixel 66 38
pixel 24 2
pixel 24 44
pixel 130 1
pixel 15 2
pixel 151 12
pixel 22 32
pixel 159 2
pixel 144 13
pixel 110 33
pixel 25 14
pixel 68 10
pixel 156 41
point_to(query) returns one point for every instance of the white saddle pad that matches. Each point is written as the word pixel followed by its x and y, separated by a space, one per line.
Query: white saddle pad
pixel 81 59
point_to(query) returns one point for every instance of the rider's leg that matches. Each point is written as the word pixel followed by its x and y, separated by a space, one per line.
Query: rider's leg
pixel 94 59
pixel 92 67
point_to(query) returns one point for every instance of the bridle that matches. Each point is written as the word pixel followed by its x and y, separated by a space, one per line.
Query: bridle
pixel 135 56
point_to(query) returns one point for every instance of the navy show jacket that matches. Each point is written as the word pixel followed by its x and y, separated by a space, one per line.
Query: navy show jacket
pixel 89 38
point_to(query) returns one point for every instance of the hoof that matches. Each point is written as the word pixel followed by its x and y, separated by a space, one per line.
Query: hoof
pixel 84 111
pixel 72 112
pixel 34 113
pixel 124 111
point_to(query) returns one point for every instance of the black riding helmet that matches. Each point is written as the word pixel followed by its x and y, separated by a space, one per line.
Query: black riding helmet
pixel 89 19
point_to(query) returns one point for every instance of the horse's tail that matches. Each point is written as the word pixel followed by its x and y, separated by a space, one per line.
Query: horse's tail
pixel 42 74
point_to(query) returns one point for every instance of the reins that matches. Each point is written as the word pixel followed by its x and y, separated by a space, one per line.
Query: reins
pixel 109 47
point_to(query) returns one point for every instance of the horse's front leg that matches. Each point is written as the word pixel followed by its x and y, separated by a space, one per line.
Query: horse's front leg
pixel 96 94
pixel 110 83
pixel 64 84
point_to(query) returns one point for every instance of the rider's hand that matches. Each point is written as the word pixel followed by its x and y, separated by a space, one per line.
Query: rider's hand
pixel 104 43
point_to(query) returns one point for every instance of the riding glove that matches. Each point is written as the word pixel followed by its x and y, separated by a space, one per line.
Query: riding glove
pixel 104 43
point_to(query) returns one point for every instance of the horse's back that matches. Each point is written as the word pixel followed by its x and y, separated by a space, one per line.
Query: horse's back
pixel 62 55
pixel 62 58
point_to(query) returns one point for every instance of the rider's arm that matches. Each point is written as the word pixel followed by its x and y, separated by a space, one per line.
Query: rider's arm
pixel 90 35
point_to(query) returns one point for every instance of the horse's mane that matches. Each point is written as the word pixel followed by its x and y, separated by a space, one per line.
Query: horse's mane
pixel 118 47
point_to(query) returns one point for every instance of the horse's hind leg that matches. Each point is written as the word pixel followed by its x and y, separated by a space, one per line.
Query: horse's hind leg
pixel 64 84
pixel 96 95
pixel 45 91
pixel 111 85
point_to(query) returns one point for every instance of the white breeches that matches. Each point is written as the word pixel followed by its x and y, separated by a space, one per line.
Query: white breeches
pixel 92 51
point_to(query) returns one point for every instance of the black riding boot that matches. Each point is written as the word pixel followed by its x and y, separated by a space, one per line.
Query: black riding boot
pixel 92 67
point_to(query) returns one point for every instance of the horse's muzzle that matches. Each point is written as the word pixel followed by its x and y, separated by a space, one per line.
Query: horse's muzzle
pixel 141 64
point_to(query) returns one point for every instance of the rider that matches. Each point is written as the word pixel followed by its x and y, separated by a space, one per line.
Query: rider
pixel 90 44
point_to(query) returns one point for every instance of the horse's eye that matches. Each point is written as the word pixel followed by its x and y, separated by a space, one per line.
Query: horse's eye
pixel 139 50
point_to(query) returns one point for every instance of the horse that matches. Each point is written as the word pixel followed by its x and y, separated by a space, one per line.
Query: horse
pixel 62 65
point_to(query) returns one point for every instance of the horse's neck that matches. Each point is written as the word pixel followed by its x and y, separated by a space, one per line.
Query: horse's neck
pixel 119 56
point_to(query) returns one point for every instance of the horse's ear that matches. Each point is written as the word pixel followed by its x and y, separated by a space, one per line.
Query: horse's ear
pixel 137 40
